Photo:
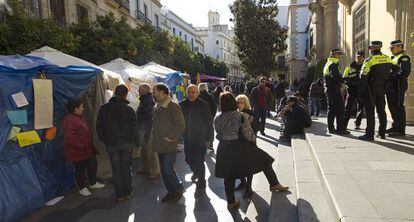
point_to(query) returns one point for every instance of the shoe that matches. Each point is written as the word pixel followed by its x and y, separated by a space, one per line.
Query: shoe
pixel 194 178
pixel 129 196
pixel 233 206
pixel 314 118
pixel 177 196
pixel 278 187
pixel 332 131
pixel 366 137
pixel 97 185
pixel 248 194
pixel 168 197
pixel 390 130
pixel 343 132
pixel 85 192
pixel 396 134
pixel 199 192
pixel 262 133
pixel 382 136
pixel 241 186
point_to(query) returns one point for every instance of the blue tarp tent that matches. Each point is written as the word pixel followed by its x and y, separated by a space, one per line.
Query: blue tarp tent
pixel 32 175
pixel 173 81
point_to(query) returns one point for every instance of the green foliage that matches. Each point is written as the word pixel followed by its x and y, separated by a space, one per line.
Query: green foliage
pixel 259 37
pixel 103 40
pixel 21 35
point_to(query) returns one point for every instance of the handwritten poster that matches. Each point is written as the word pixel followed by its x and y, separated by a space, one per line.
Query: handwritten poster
pixel 28 138
pixel 43 103
pixel 17 117
pixel 20 99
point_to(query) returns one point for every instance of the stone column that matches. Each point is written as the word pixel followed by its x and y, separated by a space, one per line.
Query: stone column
pixel 330 25
pixel 318 19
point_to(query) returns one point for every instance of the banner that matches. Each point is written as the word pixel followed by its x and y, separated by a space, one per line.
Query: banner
pixel 43 103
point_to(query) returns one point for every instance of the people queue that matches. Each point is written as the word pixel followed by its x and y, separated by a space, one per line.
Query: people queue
pixel 156 127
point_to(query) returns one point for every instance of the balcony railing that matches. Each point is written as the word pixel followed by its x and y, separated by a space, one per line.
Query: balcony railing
pixel 140 15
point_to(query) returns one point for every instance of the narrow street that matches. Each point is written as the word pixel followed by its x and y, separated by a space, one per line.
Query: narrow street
pixel 146 205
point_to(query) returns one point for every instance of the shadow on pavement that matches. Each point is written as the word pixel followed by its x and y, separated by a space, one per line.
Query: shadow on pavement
pixel 307 210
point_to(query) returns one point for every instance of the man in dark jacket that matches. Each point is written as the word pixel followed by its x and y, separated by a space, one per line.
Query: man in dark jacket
pixel 397 87
pixel 145 117
pixel 351 78
pixel 198 130
pixel 333 84
pixel 260 98
pixel 206 96
pixel 315 94
pixel 250 85
pixel 117 128
pixel 375 73
pixel 295 118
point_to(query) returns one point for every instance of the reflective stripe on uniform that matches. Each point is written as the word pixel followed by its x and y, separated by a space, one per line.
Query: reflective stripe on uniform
pixel 374 60
pixel 328 64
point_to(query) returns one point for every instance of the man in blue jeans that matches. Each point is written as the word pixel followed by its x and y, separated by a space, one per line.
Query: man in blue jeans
pixel 167 127
pixel 260 99
pixel 117 128
pixel 315 93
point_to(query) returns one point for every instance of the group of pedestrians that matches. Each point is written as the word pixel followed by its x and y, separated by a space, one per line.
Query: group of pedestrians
pixel 366 82
pixel 156 127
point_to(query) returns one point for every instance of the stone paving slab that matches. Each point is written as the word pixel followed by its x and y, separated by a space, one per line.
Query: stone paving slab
pixel 369 181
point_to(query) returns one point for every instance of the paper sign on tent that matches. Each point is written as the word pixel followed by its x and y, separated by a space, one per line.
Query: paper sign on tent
pixel 17 117
pixel 43 103
pixel 20 99
pixel 28 138
pixel 13 132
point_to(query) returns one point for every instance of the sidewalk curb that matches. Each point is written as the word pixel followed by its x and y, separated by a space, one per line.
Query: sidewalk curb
pixel 325 184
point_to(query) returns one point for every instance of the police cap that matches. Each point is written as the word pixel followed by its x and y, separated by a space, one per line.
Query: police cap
pixel 360 53
pixel 397 42
pixel 333 51
pixel 375 44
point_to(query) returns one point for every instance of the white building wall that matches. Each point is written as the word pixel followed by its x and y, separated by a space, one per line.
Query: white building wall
pixel 180 28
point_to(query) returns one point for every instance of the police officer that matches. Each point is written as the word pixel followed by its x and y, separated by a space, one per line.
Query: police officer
pixel 397 86
pixel 351 78
pixel 333 83
pixel 374 76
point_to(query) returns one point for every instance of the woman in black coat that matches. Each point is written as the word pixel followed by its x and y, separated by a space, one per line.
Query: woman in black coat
pixel 237 153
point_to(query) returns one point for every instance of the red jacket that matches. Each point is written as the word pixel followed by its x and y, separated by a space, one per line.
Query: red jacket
pixel 77 138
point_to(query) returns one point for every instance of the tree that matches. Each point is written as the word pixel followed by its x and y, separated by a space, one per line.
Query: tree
pixel 21 35
pixel 258 35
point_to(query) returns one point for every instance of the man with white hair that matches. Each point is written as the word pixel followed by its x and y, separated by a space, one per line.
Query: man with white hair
pixel 198 130
pixel 206 96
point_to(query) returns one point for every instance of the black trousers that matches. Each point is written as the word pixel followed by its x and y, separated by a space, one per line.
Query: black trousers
pixel 260 116
pixel 121 162
pixel 396 106
pixel 335 110
pixel 353 102
pixel 89 165
pixel 198 168
pixel 377 102
pixel 230 182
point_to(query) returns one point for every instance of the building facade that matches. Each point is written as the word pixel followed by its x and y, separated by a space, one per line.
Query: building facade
pixel 66 12
pixel 218 43
pixel 281 59
pixel 176 26
pixel 298 15
pixel 352 24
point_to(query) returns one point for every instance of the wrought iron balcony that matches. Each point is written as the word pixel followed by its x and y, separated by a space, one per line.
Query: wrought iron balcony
pixel 140 15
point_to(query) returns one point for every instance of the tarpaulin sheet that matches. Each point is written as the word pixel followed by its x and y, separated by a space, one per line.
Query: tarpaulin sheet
pixel 31 175
pixel 171 80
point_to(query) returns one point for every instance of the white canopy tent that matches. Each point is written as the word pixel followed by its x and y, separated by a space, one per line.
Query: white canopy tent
pixel 61 59
pixel 157 69
pixel 133 75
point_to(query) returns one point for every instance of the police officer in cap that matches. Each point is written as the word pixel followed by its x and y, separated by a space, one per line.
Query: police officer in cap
pixel 333 83
pixel 397 86
pixel 374 76
pixel 351 78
